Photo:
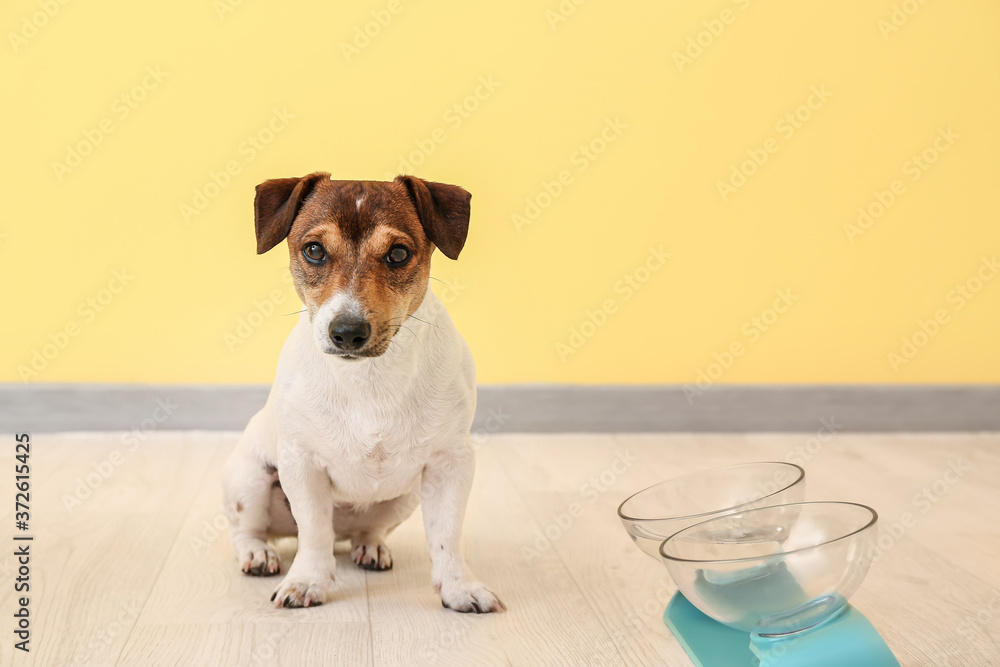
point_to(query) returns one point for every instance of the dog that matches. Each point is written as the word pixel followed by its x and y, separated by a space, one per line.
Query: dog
pixel 374 393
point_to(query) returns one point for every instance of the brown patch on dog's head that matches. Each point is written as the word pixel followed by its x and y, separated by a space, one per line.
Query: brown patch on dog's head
pixel 360 251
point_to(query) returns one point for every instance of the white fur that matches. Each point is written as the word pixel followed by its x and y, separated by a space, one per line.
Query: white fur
pixel 357 444
pixel 339 304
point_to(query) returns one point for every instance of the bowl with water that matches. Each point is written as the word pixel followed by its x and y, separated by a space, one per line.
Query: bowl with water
pixel 774 570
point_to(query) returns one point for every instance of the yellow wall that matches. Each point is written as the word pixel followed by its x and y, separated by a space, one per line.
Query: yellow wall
pixel 210 74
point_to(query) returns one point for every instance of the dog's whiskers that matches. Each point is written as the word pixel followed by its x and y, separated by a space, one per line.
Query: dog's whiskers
pixel 406 317
pixel 397 327
pixel 424 321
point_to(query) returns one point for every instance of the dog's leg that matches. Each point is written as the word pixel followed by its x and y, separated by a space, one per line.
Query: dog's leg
pixel 310 496
pixel 247 482
pixel 368 529
pixel 444 491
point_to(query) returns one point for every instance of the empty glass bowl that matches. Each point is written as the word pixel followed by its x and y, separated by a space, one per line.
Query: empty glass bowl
pixel 654 514
pixel 774 570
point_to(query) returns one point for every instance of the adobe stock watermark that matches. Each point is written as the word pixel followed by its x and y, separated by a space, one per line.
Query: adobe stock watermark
pixel 121 108
pixel 266 652
pixel 451 290
pixel 224 8
pixel 914 167
pixel 248 324
pixel 492 423
pixel 958 298
pixel 32 24
pixel 923 502
pixel 651 608
pixel 800 455
pixel 805 452
pixel 901 14
pixel 751 330
pixel 987 616
pixel 446 295
pixel 100 641
pixel 85 486
pixel 370 30
pixel 590 491
pixel 87 311
pixel 562 12
pixel 786 127
pixel 210 530
pixel 607 652
pixel 429 654
pixel 452 119
pixel 248 149
pixel 265 649
pixel 581 159
pixel 712 29
pixel 624 289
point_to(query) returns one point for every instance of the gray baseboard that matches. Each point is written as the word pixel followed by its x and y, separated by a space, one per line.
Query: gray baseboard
pixel 535 408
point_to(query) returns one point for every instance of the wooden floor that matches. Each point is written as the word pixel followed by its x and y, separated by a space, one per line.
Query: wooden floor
pixel 139 571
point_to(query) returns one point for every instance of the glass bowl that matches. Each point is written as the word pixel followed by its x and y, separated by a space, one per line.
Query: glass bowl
pixel 654 514
pixel 774 570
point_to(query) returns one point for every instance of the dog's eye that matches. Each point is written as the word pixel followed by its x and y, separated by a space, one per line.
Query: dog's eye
pixel 398 256
pixel 314 253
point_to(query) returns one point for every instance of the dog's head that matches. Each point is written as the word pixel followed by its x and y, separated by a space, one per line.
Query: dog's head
pixel 360 250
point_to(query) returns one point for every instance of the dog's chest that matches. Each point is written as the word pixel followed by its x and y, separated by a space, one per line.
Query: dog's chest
pixel 371 451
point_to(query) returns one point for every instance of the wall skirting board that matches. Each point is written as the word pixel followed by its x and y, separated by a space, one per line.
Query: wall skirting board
pixel 536 408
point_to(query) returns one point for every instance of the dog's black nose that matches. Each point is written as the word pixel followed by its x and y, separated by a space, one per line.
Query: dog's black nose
pixel 349 334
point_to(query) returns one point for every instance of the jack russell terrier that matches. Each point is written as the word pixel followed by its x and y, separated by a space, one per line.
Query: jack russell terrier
pixel 374 393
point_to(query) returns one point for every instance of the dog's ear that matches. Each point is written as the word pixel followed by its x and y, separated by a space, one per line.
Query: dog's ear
pixel 276 204
pixel 443 210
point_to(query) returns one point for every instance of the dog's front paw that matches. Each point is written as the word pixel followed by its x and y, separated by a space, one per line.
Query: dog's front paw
pixel 306 584
pixel 470 596
pixel 373 556
pixel 298 593
pixel 257 558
